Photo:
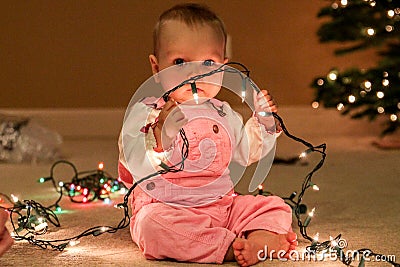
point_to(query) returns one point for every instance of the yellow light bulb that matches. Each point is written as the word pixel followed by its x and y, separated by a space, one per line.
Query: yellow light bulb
pixel 101 166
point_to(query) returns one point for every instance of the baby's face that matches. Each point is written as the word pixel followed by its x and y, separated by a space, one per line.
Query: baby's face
pixel 179 44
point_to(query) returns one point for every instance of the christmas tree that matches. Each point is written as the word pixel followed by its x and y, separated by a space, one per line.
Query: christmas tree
pixel 359 93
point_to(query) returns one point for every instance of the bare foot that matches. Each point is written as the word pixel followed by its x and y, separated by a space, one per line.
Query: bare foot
pixel 252 250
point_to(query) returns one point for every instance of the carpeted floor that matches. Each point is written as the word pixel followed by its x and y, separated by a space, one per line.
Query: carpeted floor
pixel 358 198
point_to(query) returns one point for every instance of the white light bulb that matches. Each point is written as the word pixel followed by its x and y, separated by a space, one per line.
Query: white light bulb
pixel 380 110
pixel 380 94
pixel 74 242
pixel 367 84
pixel 390 13
pixel 343 2
pixel 352 99
pixel 332 76
pixel 340 107
pixel 14 198
pixel 370 31
pixel 316 237
pixel 315 104
pixel 196 98
pixel 315 187
pixel 311 213
pixel 320 82
pixel 393 117
pixel 389 28
pixel 60 184
pixel 385 82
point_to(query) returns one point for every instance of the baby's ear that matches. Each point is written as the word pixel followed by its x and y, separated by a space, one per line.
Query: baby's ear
pixel 154 67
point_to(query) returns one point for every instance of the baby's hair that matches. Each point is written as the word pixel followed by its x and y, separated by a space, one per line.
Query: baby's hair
pixel 191 14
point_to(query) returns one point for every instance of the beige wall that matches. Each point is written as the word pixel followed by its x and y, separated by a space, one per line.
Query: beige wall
pixel 94 53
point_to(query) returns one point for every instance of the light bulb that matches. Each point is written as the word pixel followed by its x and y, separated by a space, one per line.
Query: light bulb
pixel 101 166
pixel 340 106
pixel 390 13
pixel 367 85
pixel 74 242
pixel 194 92
pixel 332 75
pixel 243 95
pixel 393 117
pixel 389 28
pixel 316 237
pixel 370 31
pixel 311 213
pixel 380 94
pixel 14 198
pixel 315 104
pixel 385 82
pixel 380 110
pixel 352 99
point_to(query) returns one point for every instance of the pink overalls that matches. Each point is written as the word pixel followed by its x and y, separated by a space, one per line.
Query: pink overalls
pixel 192 215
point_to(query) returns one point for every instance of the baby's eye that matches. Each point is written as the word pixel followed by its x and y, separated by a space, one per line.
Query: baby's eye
pixel 179 61
pixel 208 62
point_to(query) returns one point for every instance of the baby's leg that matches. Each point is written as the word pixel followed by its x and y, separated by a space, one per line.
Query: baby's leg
pixel 251 250
pixel 183 234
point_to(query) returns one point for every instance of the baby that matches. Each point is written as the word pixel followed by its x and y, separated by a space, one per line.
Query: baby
pixel 193 215
pixel 5 239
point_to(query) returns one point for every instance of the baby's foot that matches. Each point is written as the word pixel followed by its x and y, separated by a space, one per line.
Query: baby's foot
pixel 274 242
pixel 252 250
pixel 245 252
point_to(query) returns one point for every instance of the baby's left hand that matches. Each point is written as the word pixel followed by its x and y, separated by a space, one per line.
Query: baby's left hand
pixel 264 104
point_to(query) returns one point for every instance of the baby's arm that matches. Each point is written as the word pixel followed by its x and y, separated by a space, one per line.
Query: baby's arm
pixel 147 138
pixel 257 137
pixel 136 141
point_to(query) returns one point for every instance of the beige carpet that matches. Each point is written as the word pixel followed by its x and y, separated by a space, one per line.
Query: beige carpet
pixel 358 198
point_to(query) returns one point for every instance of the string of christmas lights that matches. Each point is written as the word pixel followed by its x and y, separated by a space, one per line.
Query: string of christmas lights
pixel 295 199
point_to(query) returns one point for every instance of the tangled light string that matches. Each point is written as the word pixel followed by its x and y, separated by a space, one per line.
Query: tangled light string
pixel 296 203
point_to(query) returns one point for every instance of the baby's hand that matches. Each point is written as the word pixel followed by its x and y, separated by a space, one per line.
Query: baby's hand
pixel 5 239
pixel 263 106
pixel 170 120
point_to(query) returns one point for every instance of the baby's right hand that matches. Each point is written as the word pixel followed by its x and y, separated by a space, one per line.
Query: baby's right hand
pixel 170 120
